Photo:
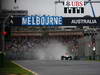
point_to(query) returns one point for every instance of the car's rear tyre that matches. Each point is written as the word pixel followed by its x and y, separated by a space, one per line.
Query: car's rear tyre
pixel 66 58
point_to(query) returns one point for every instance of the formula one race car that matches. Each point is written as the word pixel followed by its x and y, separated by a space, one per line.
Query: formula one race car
pixel 66 57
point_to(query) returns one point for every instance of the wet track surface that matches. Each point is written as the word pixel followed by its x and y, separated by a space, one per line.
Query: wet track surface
pixel 57 67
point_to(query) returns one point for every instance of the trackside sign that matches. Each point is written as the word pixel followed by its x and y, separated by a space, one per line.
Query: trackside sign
pixel 81 21
pixel 42 20
pixel 55 21
pixel 74 6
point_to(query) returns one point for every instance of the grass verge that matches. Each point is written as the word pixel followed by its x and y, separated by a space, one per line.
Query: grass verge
pixel 11 68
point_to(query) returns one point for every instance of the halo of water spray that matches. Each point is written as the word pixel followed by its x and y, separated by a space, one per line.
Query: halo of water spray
pixel 38 49
pixel 51 50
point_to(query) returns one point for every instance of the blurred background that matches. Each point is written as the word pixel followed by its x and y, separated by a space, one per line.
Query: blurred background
pixel 47 42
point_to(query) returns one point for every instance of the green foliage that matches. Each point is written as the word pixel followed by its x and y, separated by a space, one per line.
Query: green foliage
pixel 11 68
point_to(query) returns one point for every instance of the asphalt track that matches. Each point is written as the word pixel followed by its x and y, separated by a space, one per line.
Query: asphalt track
pixel 57 67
